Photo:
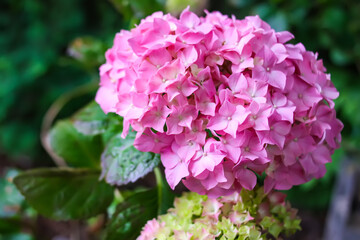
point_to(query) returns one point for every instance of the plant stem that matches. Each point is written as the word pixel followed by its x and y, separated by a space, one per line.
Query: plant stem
pixel 159 184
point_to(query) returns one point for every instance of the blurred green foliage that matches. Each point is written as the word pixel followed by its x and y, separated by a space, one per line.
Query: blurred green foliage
pixel 11 199
pixel 13 209
pixel 34 65
pixel 135 10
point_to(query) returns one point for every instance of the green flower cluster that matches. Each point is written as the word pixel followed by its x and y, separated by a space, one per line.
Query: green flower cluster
pixel 250 215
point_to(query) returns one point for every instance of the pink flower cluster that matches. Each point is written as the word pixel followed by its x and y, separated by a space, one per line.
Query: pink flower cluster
pixel 222 99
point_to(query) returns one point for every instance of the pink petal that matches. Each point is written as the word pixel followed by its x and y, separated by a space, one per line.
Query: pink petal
pixel 232 128
pixel 218 123
pixel 233 153
pixel 286 113
pixel 107 99
pixel 188 56
pixel 277 79
pixel 170 159
pixel 174 175
pixel 321 155
pixel 246 178
pixel 192 37
pixel 237 82
pixel 158 57
pixel 144 143
pixel 188 18
pixel 280 52
pixel 194 185
pixel 261 124
pixel 278 99
pixel 201 165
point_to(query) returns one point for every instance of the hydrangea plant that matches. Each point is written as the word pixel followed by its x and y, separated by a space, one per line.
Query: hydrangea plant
pixel 222 100
pixel 250 215
pixel 221 103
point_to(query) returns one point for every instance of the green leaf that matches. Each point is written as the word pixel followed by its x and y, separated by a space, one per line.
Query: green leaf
pixel 275 229
pixel 77 149
pixel 122 163
pixel 64 193
pixel 266 222
pixel 91 120
pixel 132 214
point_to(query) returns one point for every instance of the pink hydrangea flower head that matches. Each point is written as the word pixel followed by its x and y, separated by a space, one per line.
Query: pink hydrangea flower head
pixel 222 100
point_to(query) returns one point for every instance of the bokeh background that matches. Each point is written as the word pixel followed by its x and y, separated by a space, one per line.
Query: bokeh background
pixel 48 48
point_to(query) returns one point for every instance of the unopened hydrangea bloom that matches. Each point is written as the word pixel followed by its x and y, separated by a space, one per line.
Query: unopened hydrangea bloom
pixel 222 99
pixel 250 215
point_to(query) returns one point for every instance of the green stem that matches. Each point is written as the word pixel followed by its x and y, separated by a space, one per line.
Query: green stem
pixel 159 184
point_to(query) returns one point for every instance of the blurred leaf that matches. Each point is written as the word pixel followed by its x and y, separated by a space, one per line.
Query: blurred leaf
pixel 88 50
pixel 137 9
pixel 122 163
pixel 339 57
pixel 263 10
pixel 240 3
pixel 16 236
pixel 91 120
pixel 175 7
pixel 77 149
pixel 132 214
pixel 279 21
pixel 334 18
pixel 10 141
pixel 10 197
pixel 64 194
